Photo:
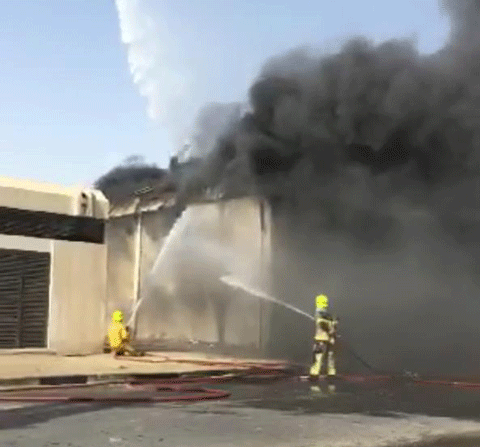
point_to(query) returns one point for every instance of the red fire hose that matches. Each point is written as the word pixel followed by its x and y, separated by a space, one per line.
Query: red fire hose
pixel 191 395
pixel 186 392
pixel 186 389
pixel 256 370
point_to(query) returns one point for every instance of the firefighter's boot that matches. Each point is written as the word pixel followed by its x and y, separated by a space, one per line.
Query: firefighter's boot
pixel 331 369
pixel 317 365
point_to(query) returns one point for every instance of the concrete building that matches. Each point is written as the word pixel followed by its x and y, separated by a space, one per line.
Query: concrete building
pixel 171 265
pixel 404 280
pixel 52 267
pixel 134 235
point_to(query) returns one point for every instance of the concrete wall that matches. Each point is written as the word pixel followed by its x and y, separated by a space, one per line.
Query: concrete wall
pixel 155 227
pixel 182 298
pixel 25 243
pixel 77 292
pixel 78 270
pixel 78 297
pixel 120 239
pixel 37 196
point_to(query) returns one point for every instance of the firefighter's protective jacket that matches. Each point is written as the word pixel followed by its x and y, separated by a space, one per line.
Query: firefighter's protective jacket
pixel 325 327
pixel 117 335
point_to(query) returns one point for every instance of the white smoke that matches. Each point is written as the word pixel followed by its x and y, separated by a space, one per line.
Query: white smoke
pixel 151 59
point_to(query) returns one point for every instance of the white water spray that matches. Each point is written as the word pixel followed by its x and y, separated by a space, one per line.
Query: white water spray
pixel 150 51
pixel 172 238
pixel 134 311
pixel 237 284
pixel 177 230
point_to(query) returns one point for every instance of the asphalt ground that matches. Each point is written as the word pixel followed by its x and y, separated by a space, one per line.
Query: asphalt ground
pixel 287 413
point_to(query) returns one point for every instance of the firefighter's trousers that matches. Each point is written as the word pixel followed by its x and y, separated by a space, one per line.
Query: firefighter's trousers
pixel 323 353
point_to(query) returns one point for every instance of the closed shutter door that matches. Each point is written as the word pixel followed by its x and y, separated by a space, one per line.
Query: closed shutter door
pixel 34 300
pixel 24 297
pixel 11 265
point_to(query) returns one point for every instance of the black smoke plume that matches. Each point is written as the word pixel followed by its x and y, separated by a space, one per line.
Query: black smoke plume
pixel 215 122
pixel 378 114
pixel 385 108
pixel 122 182
pixel 370 160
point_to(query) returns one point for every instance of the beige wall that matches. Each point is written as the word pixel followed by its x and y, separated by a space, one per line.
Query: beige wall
pixel 120 239
pixel 77 298
pixel 156 227
pixel 36 200
pixel 78 270
pixel 183 298
pixel 37 196
pixel 8 242
pixel 76 321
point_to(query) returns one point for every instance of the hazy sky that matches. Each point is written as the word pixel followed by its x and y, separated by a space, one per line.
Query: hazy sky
pixel 69 110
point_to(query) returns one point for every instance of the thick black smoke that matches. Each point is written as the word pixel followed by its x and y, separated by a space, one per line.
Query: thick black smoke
pixel 465 26
pixel 385 108
pixel 382 115
pixel 370 158
pixel 215 122
pixel 122 182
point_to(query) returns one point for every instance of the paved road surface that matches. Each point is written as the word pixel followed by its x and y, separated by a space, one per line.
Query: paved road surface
pixel 282 414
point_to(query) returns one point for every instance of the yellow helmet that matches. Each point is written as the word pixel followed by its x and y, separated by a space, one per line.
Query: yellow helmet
pixel 321 302
pixel 117 316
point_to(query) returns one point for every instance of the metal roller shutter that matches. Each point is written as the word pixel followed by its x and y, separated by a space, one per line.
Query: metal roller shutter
pixel 24 297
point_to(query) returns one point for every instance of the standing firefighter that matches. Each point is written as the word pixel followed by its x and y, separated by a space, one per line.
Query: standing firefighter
pixel 325 335
pixel 119 336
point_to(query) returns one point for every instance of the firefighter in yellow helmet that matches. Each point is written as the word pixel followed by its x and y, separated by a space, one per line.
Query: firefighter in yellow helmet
pixel 324 340
pixel 119 336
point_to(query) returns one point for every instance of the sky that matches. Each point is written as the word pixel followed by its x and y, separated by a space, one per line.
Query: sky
pixel 70 109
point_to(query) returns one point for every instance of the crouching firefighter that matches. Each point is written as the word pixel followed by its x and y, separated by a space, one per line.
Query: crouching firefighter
pixel 119 337
pixel 324 340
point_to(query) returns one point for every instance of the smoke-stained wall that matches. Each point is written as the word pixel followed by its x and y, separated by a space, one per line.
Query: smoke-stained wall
pixel 182 296
pixel 412 305
pixel 155 227
pixel 404 287
pixel 121 241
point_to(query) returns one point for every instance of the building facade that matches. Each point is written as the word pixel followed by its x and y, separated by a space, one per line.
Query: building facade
pixel 169 267
pixel 52 267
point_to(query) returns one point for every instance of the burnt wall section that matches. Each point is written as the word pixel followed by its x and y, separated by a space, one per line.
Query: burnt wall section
pixel 183 300
pixel 409 305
